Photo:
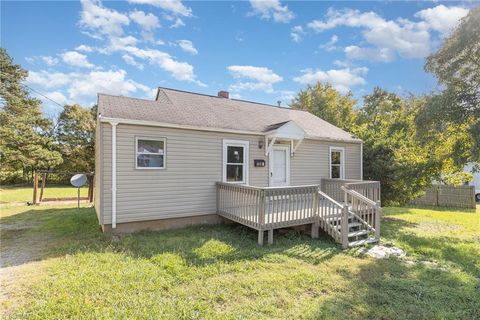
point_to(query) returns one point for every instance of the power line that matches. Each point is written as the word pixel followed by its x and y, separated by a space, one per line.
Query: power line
pixel 34 90
pixel 44 95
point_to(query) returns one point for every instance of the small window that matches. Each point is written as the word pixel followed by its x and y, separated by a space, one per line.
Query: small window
pixel 336 163
pixel 150 153
pixel 235 161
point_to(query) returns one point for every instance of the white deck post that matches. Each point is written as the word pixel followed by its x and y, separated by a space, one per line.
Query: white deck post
pixel 261 218
pixel 270 236
pixel 315 224
pixel 378 212
pixel 344 226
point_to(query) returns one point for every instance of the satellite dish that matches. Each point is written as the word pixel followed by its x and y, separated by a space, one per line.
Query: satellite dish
pixel 78 180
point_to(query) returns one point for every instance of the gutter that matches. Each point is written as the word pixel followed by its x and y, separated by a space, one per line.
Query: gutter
pixel 114 124
pixel 190 127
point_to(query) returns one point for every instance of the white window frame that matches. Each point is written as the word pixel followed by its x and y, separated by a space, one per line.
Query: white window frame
pixel 138 153
pixel 342 161
pixel 246 151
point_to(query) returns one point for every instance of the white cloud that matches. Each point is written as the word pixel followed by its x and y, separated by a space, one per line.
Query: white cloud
pixel 100 20
pixel 58 97
pixel 187 46
pixel 147 22
pixel 263 78
pixel 287 96
pixel 441 18
pixel 84 48
pixel 390 38
pixel 179 70
pixel 404 37
pixel 372 54
pixel 76 59
pixel 340 79
pixel 173 6
pixel 109 24
pixel 177 24
pixel 296 33
pixel 48 60
pixel 272 9
pixel 83 87
pixel 131 61
pixel 111 82
pixel 47 79
pixel 330 45
pixel 260 74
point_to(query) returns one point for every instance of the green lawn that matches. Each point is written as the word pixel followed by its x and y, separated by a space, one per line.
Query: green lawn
pixel 69 269
pixel 24 194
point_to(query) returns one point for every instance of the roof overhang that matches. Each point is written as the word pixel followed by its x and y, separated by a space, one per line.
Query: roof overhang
pixel 289 131
pixel 149 123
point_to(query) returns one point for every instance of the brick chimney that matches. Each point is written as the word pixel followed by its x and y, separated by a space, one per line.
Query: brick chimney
pixel 223 94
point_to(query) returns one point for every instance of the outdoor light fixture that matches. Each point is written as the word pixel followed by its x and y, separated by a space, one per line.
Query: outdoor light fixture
pixel 261 143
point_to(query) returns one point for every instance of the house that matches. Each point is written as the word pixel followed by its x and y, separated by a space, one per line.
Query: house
pixel 187 158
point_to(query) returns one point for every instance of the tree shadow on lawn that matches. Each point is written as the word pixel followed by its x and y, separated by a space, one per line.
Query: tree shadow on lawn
pixel 393 289
pixel 53 232
pixel 464 254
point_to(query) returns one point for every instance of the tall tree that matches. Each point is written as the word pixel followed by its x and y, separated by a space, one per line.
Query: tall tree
pixel 26 144
pixel 76 137
pixel 327 103
pixel 457 67
pixel 392 153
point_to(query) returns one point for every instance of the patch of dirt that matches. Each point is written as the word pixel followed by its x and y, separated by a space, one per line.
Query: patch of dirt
pixel 14 283
pixel 20 245
pixel 383 252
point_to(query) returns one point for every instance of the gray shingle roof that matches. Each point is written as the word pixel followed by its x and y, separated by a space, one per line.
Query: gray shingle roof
pixel 193 109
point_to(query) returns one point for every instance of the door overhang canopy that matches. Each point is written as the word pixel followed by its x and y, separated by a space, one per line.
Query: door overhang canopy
pixel 284 131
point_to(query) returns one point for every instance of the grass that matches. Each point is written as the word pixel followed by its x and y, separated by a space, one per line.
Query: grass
pixel 24 194
pixel 219 272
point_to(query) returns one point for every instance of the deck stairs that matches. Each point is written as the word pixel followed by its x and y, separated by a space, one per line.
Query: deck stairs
pixel 359 231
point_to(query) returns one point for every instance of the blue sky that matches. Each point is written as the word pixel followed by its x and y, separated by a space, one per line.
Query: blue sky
pixel 257 50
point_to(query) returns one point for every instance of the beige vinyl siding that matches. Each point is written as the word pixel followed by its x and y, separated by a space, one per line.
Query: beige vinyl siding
pixel 186 187
pixel 107 173
pixel 311 161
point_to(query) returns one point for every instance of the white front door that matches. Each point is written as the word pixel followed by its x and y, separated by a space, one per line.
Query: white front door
pixel 279 165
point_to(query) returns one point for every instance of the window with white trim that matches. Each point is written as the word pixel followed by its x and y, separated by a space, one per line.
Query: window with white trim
pixel 235 161
pixel 150 153
pixel 337 163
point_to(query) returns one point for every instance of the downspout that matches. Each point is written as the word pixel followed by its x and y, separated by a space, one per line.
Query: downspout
pixel 114 173
pixel 361 161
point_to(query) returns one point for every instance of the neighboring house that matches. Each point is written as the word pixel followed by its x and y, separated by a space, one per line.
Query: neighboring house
pixel 169 154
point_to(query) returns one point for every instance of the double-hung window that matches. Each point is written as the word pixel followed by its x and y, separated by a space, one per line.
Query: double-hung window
pixel 235 161
pixel 337 165
pixel 150 153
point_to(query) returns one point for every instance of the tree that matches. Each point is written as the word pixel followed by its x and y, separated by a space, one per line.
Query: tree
pixel 24 131
pixel 75 134
pixel 457 67
pixel 327 103
pixel 393 154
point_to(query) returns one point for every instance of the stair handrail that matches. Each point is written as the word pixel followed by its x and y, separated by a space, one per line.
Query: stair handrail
pixel 338 234
pixel 375 205
pixel 326 196
pixel 356 194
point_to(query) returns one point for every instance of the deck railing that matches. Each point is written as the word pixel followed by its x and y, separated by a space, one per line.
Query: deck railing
pixel 365 210
pixel 333 188
pixel 269 208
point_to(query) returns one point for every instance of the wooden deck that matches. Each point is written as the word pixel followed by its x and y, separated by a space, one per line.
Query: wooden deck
pixel 266 209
